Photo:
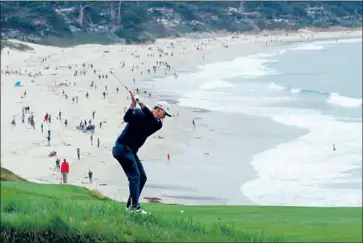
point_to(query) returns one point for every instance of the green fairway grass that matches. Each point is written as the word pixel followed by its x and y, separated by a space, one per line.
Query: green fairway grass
pixel 33 212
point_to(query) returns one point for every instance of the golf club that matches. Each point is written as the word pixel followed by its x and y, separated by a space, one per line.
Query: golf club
pixel 136 99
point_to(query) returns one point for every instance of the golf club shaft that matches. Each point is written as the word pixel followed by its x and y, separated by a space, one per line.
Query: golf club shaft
pixel 119 81
pixel 137 100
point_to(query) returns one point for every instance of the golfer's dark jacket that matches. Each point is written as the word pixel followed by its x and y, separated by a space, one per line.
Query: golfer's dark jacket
pixel 141 123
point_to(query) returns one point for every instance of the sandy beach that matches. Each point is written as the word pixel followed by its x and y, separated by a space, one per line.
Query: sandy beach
pixel 25 151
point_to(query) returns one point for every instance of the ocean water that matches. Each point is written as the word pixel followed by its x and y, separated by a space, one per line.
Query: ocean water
pixel 314 86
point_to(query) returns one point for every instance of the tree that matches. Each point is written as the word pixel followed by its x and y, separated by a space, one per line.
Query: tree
pixel 81 13
pixel 299 11
pixel 112 12
pixel 119 13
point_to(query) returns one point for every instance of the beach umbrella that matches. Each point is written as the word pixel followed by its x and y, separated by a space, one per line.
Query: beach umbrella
pixel 150 48
pixel 17 84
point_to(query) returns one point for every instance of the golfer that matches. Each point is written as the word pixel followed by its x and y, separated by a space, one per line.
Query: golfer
pixel 141 123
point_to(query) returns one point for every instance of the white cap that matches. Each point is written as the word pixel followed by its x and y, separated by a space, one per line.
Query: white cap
pixel 165 106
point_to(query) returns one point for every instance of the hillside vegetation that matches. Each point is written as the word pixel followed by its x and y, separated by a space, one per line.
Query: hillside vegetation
pixel 33 212
pixel 7 175
pixel 145 21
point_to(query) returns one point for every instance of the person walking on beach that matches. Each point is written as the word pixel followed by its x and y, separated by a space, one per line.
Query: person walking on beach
pixel 41 127
pixel 98 142
pixel 13 122
pixel 141 123
pixel 48 140
pixel 64 171
pixel 32 122
pixel 90 174
pixel 57 164
pixel 91 138
pixel 78 153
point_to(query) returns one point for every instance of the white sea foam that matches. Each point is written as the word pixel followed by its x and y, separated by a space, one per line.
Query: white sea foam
pixel 276 87
pixel 332 42
pixel 295 91
pixel 250 67
pixel 281 52
pixel 216 84
pixel 299 172
pixel 307 47
pixel 215 75
pixel 319 45
pixel 335 99
pixel 340 100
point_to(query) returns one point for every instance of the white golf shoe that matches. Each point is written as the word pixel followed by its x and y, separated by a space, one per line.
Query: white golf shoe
pixel 138 210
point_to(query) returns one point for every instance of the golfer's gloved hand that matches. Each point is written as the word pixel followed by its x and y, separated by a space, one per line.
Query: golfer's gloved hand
pixel 137 99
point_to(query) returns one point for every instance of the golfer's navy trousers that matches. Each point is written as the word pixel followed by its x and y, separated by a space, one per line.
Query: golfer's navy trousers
pixel 133 169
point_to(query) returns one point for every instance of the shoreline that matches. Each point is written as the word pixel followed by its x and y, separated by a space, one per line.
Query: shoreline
pixel 183 120
pixel 299 132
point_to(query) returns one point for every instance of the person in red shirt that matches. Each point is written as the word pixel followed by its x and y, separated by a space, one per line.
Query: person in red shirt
pixel 65 171
pixel 46 117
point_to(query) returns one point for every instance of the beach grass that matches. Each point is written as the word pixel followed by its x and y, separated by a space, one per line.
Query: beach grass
pixel 7 175
pixel 16 46
pixel 32 212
